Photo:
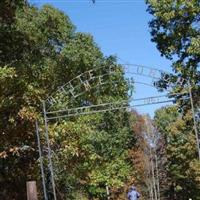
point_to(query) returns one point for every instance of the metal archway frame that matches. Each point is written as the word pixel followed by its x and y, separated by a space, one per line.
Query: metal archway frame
pixel 90 79
pixel 86 81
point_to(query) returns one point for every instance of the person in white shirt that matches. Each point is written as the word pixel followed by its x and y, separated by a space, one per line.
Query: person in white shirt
pixel 133 194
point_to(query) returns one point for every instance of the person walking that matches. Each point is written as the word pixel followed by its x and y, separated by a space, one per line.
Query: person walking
pixel 133 194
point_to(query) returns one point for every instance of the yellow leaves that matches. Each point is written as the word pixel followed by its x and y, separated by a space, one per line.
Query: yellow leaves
pixel 28 113
pixel 13 150
pixel 188 116
pixel 194 47
pixel 95 157
pixel 7 72
pixel 178 188
pixel 7 78
pixel 168 16
pixel 195 170
pixel 3 154
pixel 33 95
pixel 163 9
pixel 73 149
pixel 11 120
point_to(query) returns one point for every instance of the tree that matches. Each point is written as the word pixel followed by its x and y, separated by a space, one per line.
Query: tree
pixel 91 154
pixel 175 30
pixel 182 166
pixel 40 51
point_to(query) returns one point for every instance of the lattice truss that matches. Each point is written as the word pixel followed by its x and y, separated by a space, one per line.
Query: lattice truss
pixel 82 95
pixel 90 83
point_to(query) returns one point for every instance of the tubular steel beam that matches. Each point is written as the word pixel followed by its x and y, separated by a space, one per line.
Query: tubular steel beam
pixel 194 121
pixel 41 160
pixel 111 106
pixel 107 109
pixel 49 152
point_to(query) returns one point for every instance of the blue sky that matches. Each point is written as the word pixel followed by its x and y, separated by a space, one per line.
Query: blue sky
pixel 119 27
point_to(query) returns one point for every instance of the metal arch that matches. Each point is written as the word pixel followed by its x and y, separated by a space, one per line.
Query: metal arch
pixel 153 69
pixel 110 106
pixel 179 80
pixel 139 70
pixel 108 109
pixel 151 73
pixel 117 102
pixel 77 77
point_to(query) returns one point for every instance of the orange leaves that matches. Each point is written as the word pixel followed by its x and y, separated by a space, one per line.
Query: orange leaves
pixel 28 114
pixel 12 151
pixel 138 125
pixel 3 154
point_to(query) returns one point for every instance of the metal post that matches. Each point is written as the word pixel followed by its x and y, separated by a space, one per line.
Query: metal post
pixel 194 120
pixel 49 152
pixel 41 160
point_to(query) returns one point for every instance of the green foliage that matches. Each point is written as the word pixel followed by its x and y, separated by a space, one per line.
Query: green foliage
pixel 39 51
pixel 175 27
pixel 181 163
pixel 175 30
pixel 92 152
